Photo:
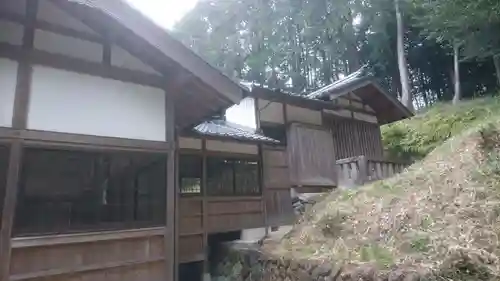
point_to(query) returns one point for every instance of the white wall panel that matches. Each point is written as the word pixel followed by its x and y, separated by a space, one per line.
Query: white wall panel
pixel 69 46
pixel 8 78
pixel 122 58
pixel 243 113
pixel 63 101
pixel 51 13
pixel 228 146
pixel 11 33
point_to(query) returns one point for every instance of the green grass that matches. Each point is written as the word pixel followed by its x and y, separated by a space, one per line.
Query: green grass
pixel 414 138
pixel 440 219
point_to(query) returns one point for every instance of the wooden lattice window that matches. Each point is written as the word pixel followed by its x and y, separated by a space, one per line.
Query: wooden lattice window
pixel 190 174
pixel 231 176
pixel 65 191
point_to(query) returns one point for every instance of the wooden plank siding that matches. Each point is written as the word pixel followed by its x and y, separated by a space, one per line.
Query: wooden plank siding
pixel 276 184
pixel 311 156
pixel 354 138
pixel 121 255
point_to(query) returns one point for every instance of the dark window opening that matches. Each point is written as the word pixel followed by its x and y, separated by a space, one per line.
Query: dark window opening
pixel 192 271
pixel 190 174
pixel 228 177
pixel 4 165
pixel 277 132
pixel 65 191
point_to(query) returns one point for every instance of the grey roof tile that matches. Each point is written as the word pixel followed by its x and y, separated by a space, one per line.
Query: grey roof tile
pixel 222 128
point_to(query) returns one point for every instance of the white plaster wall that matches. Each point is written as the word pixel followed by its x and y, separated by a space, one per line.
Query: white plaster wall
pixel 13 6
pixel 63 101
pixel 51 13
pixel 8 77
pixel 243 113
pixel 11 33
pixel 69 46
pixel 122 58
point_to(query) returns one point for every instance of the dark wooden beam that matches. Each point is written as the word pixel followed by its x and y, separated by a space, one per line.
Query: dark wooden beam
pixel 51 27
pixel 80 66
pixel 171 235
pixel 77 140
pixel 9 208
pixel 24 70
pixel 299 101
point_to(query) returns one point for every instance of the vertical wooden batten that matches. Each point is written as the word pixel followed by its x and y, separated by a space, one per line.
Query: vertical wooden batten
pixel 171 200
pixel 204 193
pixel 25 70
pixel 9 208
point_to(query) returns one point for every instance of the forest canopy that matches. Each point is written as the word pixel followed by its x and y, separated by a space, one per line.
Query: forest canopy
pixel 301 45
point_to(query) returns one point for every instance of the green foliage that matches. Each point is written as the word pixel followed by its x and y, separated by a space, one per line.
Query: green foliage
pixel 378 254
pixel 413 139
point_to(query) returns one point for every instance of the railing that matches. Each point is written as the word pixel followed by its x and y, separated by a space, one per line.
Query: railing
pixel 359 170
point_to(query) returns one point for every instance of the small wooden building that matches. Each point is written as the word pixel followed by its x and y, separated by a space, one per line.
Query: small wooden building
pixel 116 162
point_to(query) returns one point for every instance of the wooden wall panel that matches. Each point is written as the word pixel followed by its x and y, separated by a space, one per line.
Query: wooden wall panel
pixel 189 207
pixel 191 248
pixel 133 257
pixel 229 214
pixel 355 138
pixel 64 45
pixel 50 13
pixel 235 206
pixel 122 58
pixel 189 143
pixel 227 146
pixel 303 115
pixel 271 112
pixel 279 209
pixel 225 223
pixel 311 156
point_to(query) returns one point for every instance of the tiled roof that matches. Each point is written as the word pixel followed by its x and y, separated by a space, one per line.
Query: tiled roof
pixel 222 128
pixel 352 79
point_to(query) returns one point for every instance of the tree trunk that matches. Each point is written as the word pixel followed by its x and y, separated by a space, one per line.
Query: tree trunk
pixel 456 80
pixel 496 61
pixel 402 64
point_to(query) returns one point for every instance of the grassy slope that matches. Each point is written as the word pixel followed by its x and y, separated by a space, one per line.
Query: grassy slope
pixel 415 138
pixel 441 219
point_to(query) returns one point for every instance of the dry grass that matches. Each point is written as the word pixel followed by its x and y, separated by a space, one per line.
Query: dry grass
pixel 440 219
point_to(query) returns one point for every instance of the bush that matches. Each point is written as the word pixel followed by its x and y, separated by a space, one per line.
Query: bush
pixel 414 138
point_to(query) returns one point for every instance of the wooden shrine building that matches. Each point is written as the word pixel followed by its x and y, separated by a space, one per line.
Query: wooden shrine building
pixel 117 162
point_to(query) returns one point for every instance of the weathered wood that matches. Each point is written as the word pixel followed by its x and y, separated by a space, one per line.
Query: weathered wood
pixel 80 255
pixel 9 208
pixel 171 236
pixel 81 66
pixel 311 156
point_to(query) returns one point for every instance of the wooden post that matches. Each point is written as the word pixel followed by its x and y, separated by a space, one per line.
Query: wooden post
pixel 9 208
pixel 171 200
pixel 363 170
pixel 204 194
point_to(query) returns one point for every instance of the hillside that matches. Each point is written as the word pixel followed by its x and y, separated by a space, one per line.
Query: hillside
pixel 440 220
pixel 416 137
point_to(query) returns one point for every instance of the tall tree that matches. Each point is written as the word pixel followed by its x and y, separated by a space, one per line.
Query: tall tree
pixel 406 98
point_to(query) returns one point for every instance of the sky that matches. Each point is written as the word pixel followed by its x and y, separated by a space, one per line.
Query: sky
pixel 164 12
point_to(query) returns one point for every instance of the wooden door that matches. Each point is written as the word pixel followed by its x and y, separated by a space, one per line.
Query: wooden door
pixel 311 156
pixel 277 187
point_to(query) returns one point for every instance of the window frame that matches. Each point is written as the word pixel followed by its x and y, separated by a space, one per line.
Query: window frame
pixel 102 225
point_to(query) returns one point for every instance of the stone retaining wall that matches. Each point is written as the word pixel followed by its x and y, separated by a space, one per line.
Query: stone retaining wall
pixel 245 262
